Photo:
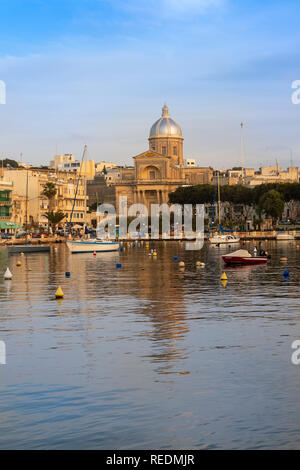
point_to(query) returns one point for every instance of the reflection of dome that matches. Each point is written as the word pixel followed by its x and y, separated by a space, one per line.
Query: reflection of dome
pixel 165 126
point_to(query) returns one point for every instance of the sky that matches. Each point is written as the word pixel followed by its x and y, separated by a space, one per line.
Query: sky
pixel 98 72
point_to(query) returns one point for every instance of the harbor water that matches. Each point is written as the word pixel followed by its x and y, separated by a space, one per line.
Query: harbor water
pixel 149 356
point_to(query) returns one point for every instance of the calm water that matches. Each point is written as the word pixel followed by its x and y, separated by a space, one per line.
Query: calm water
pixel 149 356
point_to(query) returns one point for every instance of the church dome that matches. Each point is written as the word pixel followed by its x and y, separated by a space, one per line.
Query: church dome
pixel 165 126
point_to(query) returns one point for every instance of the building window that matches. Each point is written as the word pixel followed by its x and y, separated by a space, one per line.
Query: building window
pixel 152 175
pixel 164 150
pixel 174 150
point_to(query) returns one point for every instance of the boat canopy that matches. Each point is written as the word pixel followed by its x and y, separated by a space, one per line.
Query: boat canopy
pixel 240 254
pixel 9 225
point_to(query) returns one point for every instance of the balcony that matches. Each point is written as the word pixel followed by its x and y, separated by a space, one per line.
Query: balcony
pixel 5 202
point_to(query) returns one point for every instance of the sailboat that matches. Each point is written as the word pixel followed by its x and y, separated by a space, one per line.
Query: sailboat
pixel 97 244
pixel 222 238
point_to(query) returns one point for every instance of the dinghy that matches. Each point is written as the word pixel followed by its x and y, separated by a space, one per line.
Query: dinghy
pixel 243 257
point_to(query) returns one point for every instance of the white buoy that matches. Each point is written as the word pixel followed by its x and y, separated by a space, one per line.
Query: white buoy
pixel 181 264
pixel 8 274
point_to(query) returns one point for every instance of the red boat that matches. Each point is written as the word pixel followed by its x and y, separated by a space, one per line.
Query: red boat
pixel 243 257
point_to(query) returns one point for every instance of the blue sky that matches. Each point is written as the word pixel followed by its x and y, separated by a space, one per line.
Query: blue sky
pixel 99 71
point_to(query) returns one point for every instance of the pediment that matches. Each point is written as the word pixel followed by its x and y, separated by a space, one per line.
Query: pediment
pixel 150 154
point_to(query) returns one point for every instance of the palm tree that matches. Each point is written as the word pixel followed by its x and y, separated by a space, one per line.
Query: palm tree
pixel 54 218
pixel 49 192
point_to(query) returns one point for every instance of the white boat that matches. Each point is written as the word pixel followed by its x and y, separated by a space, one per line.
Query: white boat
pixel 223 239
pixel 217 238
pixel 284 236
pixel 91 246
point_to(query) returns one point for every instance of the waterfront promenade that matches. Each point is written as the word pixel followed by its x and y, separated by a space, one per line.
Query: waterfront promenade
pixel 252 235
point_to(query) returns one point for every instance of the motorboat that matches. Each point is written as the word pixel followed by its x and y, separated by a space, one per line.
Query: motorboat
pixel 28 248
pixel 243 257
pixel 284 236
pixel 92 245
pixel 223 239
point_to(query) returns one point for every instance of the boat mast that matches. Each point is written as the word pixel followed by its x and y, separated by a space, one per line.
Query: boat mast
pixel 78 179
pixel 219 199
pixel 85 189
pixel 26 211
pixel 242 153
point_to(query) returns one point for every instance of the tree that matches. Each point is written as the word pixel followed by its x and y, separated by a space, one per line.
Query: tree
pixel 272 204
pixel 49 192
pixel 7 162
pixel 54 218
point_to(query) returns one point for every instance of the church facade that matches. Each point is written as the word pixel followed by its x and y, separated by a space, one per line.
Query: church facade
pixel 160 170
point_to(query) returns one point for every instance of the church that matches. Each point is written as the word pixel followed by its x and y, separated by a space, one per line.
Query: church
pixel 160 170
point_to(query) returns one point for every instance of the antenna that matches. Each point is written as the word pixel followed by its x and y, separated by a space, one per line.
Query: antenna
pixel 242 152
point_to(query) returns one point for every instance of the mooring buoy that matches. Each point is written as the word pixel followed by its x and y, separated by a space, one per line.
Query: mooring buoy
pixel 59 293
pixel 7 275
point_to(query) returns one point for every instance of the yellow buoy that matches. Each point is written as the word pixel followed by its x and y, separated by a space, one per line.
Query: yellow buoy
pixel 19 263
pixel 224 277
pixel 59 293
pixel 224 283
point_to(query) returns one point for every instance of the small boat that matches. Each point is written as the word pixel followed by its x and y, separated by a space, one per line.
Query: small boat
pixel 93 245
pixel 223 239
pixel 284 236
pixel 28 248
pixel 243 257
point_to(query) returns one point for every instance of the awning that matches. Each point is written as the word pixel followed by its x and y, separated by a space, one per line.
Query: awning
pixel 8 225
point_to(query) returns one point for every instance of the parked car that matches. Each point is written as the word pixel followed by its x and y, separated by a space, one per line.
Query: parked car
pixel 285 222
pixel 62 233
pixel 21 235
pixel 6 236
pixel 35 235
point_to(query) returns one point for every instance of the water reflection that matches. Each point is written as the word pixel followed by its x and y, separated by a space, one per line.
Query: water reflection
pixel 172 354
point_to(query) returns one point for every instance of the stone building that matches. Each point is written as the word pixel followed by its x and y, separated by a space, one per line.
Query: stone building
pixel 29 202
pixel 250 177
pixel 99 192
pixel 68 163
pixel 160 170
